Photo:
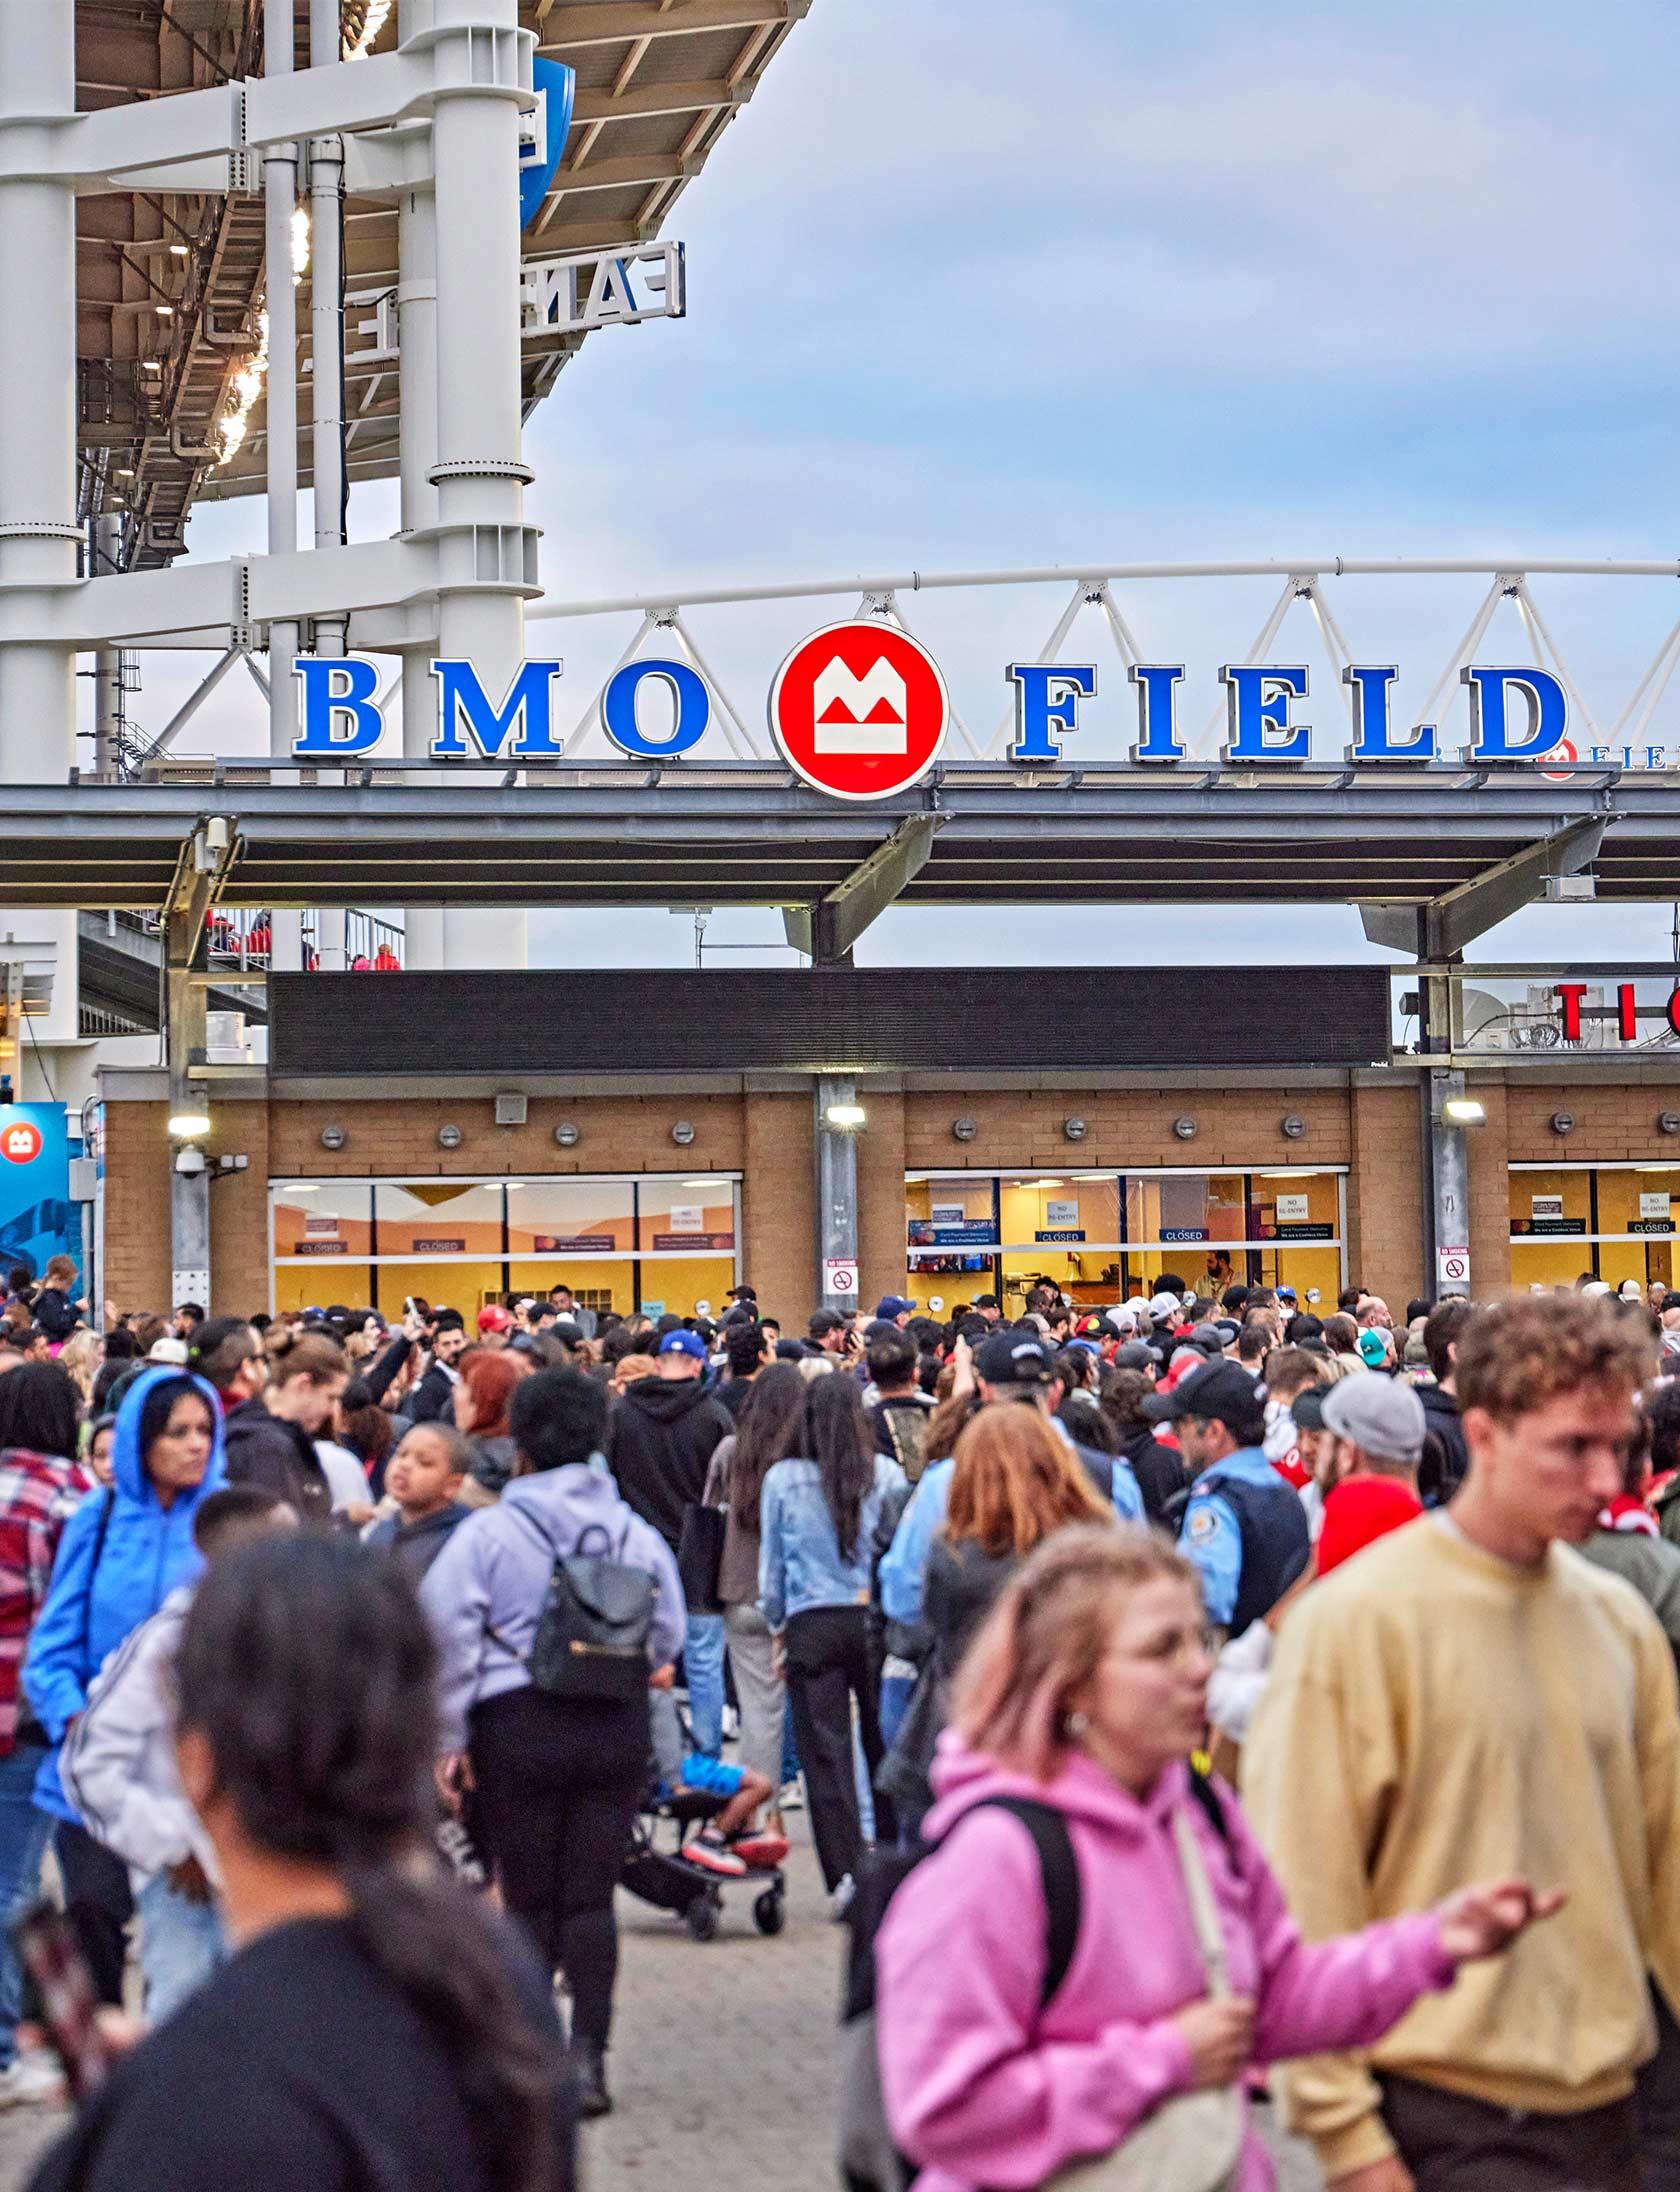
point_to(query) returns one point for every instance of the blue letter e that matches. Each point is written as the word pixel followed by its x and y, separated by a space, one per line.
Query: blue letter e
pixel 354 698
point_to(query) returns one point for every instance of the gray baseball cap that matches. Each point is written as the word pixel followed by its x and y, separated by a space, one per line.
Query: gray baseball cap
pixel 1377 1413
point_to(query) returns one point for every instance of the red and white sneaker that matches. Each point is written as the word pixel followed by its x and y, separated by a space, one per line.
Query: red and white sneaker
pixel 761 1852
pixel 709 1851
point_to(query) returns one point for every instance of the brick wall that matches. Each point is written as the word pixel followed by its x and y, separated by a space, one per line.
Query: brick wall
pixel 1490 1195
pixel 779 1205
pixel 238 1211
pixel 881 1168
pixel 137 1173
pixel 1385 1229
pixel 1612 1120
pixel 397 1138
pixel 1021 1129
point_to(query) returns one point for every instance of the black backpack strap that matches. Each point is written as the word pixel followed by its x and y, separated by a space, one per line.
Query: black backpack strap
pixel 1059 1871
pixel 1205 1789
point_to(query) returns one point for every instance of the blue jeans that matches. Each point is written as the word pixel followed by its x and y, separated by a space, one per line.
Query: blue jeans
pixel 703 1669
pixel 181 1945
pixel 24 1834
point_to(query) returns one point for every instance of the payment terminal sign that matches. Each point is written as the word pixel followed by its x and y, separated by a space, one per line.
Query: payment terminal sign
pixel 859 710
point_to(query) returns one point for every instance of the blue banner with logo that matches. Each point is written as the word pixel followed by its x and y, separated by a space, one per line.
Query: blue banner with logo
pixel 37 1218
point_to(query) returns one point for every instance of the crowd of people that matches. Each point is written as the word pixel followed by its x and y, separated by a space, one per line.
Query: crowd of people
pixel 1182 1690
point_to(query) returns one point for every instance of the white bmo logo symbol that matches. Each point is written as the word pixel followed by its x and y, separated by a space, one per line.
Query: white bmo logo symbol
pixel 860 715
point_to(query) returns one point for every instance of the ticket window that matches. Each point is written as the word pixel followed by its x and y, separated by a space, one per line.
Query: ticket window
pixel 448 1237
pixel 1551 1219
pixel 952 1236
pixel 1642 1204
pixel 1296 1221
pixel 1063 1230
pixel 574 1232
pixel 686 1235
pixel 1193 1224
pixel 321 1235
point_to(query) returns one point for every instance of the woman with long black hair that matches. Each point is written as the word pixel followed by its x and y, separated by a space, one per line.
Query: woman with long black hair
pixel 820 1514
pixel 375 2027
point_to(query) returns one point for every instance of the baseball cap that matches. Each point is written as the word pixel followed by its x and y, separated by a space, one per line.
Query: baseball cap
pixel 1363 1509
pixel 1284 1293
pixel 1373 1348
pixel 1220 1392
pixel 683 1343
pixel 168 1349
pixel 1307 1408
pixel 894 1305
pixel 1093 1326
pixel 1632 1291
pixel 1135 1355
pixel 1013 1358
pixel 494 1318
pixel 1379 1414
pixel 1164 1305
pixel 1208 1338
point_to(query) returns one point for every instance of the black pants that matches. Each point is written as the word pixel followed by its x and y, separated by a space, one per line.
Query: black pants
pixel 1452 2144
pixel 98 1904
pixel 828 1666
pixel 1656 2097
pixel 558 1785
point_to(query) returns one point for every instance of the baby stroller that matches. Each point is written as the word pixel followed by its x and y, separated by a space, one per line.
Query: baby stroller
pixel 668 1880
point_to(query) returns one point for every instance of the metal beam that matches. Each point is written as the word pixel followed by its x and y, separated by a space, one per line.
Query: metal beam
pixel 641 100
pixel 1442 926
pixel 827 930
pixel 614 23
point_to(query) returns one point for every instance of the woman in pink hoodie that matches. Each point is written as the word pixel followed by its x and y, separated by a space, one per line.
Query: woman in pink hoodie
pixel 1087 1691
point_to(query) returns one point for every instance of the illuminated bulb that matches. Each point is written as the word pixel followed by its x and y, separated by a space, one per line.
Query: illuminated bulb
pixel 177 251
pixel 166 311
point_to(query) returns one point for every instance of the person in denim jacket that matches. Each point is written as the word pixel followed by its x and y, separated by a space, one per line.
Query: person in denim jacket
pixel 820 1517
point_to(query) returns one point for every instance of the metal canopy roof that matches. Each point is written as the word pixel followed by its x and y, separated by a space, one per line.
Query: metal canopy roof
pixel 743 834
pixel 176 278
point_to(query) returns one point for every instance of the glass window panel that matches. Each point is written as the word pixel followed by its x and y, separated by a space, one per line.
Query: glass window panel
pixel 953 1212
pixel 1552 1206
pixel 306 1286
pixel 1641 1202
pixel 1185 1207
pixel 439 1218
pixel 1291 1205
pixel 1540 1264
pixel 597 1283
pixel 322 1219
pixel 1046 1210
pixel 461 1284
pixel 681 1283
pixel 571 1218
pixel 686 1217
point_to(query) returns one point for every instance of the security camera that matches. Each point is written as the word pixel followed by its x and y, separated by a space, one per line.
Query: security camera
pixel 189 1160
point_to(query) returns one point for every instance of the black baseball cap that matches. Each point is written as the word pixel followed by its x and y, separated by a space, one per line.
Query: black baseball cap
pixel 1013 1358
pixel 1222 1392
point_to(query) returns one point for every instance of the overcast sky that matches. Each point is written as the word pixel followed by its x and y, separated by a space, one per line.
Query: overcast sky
pixel 979 287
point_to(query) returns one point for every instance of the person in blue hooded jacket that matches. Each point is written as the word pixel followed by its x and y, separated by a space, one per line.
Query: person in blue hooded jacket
pixel 123 1551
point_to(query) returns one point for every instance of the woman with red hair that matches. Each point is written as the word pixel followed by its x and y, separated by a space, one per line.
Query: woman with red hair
pixel 487 1380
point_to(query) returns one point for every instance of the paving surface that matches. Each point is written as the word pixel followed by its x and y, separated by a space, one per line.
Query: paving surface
pixel 722 2065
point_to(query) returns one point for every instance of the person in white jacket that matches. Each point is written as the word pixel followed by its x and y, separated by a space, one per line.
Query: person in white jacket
pixel 118 1765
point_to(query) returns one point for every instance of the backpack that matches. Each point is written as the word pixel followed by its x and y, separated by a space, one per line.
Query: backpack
pixel 907 1428
pixel 869 2161
pixel 592 1634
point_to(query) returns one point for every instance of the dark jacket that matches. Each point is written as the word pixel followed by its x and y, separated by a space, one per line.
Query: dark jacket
pixel 1160 1472
pixel 266 1450
pixel 55 1313
pixel 660 1442
pixel 490 1462
pixel 391 1360
pixel 415 1545
pixel 963 1583
pixel 1446 1459
pixel 432 1398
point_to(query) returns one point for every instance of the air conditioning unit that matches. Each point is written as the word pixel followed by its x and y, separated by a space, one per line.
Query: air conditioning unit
pixel 225 1040
pixel 510 1110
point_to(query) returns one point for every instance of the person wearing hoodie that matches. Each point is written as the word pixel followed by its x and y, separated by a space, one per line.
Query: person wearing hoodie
pixel 557 1779
pixel 1086 1693
pixel 424 1484
pixel 1159 1469
pixel 271 1439
pixel 122 1553
pixel 660 1442
pixel 118 1768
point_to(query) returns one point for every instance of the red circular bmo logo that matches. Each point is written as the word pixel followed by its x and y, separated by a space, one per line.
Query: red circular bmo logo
pixel 860 710
pixel 20 1143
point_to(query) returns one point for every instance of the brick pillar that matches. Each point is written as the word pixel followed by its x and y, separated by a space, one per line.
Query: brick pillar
pixel 881 1197
pixel 779 1206
pixel 1385 1190
pixel 1490 1199
pixel 239 1213
pixel 137 1161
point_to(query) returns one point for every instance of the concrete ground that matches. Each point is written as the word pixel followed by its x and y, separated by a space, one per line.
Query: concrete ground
pixel 723 2062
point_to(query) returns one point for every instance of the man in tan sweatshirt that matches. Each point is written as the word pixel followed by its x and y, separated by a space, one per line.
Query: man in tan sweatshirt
pixel 1470 1699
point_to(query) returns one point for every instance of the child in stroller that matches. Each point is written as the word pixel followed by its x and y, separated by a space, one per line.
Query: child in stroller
pixel 712 1806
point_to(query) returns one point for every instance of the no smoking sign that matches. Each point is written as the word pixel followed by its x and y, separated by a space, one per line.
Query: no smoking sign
pixel 840 1278
pixel 859 710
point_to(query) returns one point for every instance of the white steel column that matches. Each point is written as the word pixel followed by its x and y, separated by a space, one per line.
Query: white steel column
pixel 105 540
pixel 284 640
pixel 39 535
pixel 480 471
pixel 417 340
pixel 326 348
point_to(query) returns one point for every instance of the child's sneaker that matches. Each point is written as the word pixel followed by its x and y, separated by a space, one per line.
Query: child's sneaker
pixel 709 1850
pixel 35 2080
pixel 761 1852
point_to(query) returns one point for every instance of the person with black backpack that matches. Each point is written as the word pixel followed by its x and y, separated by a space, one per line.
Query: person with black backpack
pixel 552 1611
pixel 1072 1984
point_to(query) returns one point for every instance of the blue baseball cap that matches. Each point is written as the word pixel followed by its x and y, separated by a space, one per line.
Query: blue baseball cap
pixel 683 1343
pixel 893 1305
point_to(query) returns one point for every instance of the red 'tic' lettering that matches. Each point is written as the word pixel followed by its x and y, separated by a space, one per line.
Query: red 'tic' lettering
pixel 1624 1007
pixel 1571 993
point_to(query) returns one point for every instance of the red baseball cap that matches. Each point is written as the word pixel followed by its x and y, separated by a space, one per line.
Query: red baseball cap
pixel 1360 1511
pixel 494 1319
